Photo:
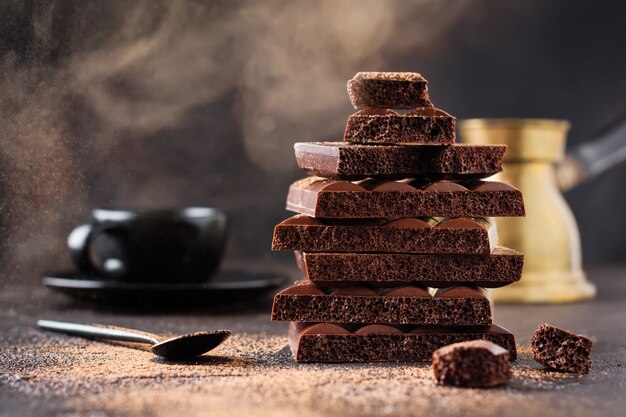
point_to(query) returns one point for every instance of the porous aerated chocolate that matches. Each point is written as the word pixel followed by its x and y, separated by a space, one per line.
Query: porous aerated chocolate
pixel 398 90
pixel 502 267
pixel 382 221
pixel 407 235
pixel 326 342
pixel 319 197
pixel 425 125
pixel 562 350
pixel 409 304
pixel 337 160
pixel 476 363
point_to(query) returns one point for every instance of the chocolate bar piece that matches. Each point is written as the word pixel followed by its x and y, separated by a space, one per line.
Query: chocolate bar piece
pixel 327 342
pixel 352 162
pixel 424 125
pixel 319 197
pixel 562 350
pixel 398 90
pixel 407 235
pixel 502 267
pixel 410 304
pixel 477 364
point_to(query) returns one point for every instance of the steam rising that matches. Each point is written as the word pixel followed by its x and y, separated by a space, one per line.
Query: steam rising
pixel 80 82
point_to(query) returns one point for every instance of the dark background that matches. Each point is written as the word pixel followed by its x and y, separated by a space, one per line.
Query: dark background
pixel 168 103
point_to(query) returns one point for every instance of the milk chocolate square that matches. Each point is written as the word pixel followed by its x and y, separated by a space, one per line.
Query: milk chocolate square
pixel 326 342
pixel 502 267
pixel 408 304
pixel 337 160
pixel 320 197
pixel 407 235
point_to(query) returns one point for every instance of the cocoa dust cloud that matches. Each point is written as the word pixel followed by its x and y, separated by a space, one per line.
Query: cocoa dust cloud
pixel 170 103
pixel 174 103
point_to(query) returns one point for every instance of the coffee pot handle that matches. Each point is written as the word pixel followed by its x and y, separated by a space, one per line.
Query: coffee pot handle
pixel 591 159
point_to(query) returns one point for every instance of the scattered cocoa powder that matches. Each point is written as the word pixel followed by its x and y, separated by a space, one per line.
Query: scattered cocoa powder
pixel 250 374
pixel 254 373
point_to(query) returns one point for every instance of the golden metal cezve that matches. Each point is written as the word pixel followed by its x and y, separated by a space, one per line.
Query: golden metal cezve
pixel 548 235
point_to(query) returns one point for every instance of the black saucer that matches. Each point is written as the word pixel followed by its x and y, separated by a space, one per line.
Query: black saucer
pixel 231 286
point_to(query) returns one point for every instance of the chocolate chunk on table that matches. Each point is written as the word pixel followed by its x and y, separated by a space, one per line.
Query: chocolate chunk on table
pixel 561 350
pixel 476 363
pixel 326 342
pixel 410 304
pixel 406 235
pixel 502 267
pixel 337 160
pixel 319 197
pixel 398 90
pixel 424 125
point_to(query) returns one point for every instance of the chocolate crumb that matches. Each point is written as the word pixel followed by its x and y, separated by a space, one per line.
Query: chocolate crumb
pixel 476 363
pixel 561 350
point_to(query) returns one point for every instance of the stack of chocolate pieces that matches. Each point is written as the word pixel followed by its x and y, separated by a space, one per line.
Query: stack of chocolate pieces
pixel 393 233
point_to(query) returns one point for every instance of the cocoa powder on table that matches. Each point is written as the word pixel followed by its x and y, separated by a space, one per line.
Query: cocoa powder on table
pixel 251 374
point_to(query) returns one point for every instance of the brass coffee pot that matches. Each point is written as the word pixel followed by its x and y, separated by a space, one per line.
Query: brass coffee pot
pixel 548 236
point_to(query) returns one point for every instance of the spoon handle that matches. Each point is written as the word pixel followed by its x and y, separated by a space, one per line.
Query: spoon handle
pixel 98 331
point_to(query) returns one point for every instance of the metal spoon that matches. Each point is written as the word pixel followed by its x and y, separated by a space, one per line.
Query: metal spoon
pixel 180 347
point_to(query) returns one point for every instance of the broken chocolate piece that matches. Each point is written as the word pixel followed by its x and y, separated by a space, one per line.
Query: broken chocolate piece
pixel 561 350
pixel 396 90
pixel 422 126
pixel 385 343
pixel 406 235
pixel 409 304
pixel 476 363
pixel 352 162
pixel 319 197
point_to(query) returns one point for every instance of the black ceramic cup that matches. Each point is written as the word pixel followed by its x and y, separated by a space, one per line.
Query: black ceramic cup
pixel 172 245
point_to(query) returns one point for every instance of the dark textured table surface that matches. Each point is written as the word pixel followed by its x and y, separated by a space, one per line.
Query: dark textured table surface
pixel 254 374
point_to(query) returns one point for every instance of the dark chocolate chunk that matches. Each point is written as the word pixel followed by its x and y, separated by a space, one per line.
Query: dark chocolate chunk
pixel 327 342
pixel 426 125
pixel 561 350
pixel 352 162
pixel 410 304
pixel 406 235
pixel 476 363
pixel 319 197
pixel 502 267
pixel 398 90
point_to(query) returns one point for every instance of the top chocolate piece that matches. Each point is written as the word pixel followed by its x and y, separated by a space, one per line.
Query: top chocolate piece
pixel 394 90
